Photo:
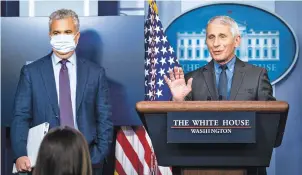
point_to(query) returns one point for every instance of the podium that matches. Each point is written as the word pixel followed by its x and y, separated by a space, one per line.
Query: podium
pixel 214 137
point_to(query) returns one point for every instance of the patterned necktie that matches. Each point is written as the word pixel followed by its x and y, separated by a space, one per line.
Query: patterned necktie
pixel 223 83
pixel 66 116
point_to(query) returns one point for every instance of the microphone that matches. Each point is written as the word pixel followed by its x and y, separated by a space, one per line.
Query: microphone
pixel 220 97
pixel 209 98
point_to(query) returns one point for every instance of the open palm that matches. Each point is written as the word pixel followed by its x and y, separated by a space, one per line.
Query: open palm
pixel 177 84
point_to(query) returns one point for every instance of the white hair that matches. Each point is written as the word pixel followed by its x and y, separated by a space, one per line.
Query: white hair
pixel 226 20
pixel 62 14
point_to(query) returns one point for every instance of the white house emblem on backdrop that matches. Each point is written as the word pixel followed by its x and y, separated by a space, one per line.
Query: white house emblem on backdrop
pixel 255 45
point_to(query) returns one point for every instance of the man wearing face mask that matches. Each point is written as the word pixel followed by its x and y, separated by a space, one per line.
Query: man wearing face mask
pixel 225 77
pixel 63 90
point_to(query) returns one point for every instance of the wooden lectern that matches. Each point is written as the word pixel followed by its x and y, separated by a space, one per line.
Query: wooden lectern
pixel 218 156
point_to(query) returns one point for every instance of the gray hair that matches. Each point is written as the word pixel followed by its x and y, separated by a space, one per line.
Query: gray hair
pixel 62 14
pixel 226 20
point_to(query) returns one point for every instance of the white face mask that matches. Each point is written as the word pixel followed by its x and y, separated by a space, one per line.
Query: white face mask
pixel 63 43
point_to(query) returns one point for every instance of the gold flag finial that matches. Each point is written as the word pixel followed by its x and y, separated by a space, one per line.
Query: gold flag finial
pixel 153 5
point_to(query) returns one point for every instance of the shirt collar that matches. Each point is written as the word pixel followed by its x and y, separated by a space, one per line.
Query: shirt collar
pixel 56 59
pixel 230 64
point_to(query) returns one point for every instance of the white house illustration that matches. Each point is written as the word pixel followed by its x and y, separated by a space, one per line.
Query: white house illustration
pixel 255 45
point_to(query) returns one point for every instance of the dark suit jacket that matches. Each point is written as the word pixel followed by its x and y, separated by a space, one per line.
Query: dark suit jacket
pixel 249 83
pixel 36 102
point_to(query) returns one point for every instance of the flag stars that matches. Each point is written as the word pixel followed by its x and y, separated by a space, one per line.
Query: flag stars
pixel 171 60
pixel 160 82
pixel 171 50
pixel 149 51
pixel 157 29
pixel 150 40
pixel 164 39
pixel 163 61
pixel 153 72
pixel 154 61
pixel 148 62
pixel 157 18
pixel 160 58
pixel 156 50
pixel 150 94
pixel 157 40
pixel 170 69
pixel 152 83
pixel 162 72
pixel 159 93
pixel 163 50
pixel 150 29
pixel 146 72
pixel 151 18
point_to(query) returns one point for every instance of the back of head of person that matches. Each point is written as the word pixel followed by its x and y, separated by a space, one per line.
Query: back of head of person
pixel 63 151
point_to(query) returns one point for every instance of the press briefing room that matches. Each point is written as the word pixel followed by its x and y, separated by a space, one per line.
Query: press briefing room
pixel 151 87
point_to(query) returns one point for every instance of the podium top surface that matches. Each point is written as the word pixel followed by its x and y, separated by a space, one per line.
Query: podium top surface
pixel 211 106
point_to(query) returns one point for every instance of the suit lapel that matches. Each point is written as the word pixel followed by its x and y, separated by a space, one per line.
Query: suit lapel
pixel 209 77
pixel 49 82
pixel 237 78
pixel 82 75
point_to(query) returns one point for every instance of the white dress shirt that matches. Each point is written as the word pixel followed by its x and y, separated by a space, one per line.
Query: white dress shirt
pixel 72 72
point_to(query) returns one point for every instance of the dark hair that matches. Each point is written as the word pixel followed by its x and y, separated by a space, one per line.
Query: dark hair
pixel 63 151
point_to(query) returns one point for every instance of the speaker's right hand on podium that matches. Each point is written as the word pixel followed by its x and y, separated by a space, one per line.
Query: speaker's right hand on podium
pixel 23 164
pixel 177 84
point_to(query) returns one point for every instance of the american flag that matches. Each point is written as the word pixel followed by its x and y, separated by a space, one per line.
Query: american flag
pixel 134 152
pixel 160 58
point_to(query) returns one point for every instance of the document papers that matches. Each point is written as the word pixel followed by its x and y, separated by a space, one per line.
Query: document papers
pixel 34 139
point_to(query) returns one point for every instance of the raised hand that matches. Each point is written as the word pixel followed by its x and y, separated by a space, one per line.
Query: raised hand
pixel 177 84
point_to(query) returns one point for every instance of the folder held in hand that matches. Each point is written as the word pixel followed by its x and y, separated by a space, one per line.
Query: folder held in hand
pixel 34 139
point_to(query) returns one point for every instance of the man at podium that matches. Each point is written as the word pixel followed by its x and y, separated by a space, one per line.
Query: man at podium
pixel 225 77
